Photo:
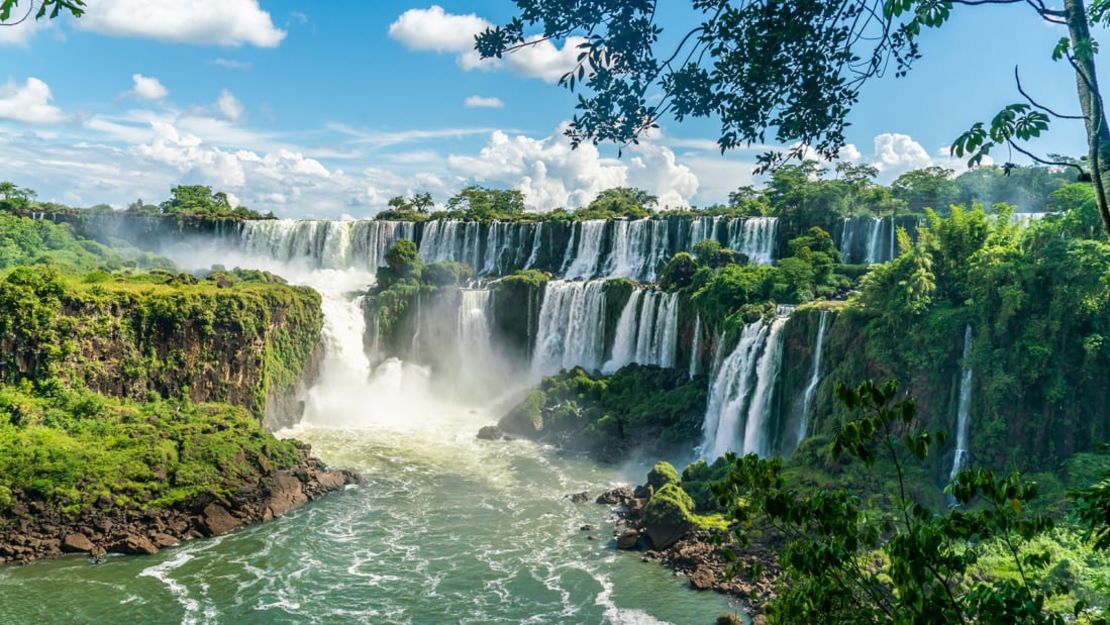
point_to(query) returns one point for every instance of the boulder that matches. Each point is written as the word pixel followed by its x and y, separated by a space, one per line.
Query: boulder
pixel 216 520
pixel 616 497
pixel 668 516
pixel 286 493
pixel 330 480
pixel 163 541
pixel 661 474
pixel 628 540
pixel 729 618
pixel 581 497
pixel 491 433
pixel 703 578
pixel 134 545
pixel 77 543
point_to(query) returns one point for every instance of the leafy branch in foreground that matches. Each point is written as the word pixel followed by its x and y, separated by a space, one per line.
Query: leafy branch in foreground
pixel 889 559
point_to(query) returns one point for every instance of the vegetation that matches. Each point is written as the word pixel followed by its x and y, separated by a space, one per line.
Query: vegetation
pixel 760 67
pixel 889 559
pixel 638 409
pixel 75 449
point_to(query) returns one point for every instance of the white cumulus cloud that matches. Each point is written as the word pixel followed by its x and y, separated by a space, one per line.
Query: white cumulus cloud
pixel 551 174
pixel 898 153
pixel 148 88
pixel 477 101
pixel 29 103
pixel 435 30
pixel 211 22
pixel 229 105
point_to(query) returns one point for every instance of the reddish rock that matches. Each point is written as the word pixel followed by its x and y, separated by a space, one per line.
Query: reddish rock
pixel 703 578
pixel 134 545
pixel 77 543
pixel 286 493
pixel 216 520
pixel 162 541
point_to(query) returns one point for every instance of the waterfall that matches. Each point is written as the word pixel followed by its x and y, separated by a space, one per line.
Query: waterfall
pixel 324 244
pixel 875 241
pixel 346 368
pixel 814 378
pixel 571 329
pixel 475 338
pixel 587 254
pixel 415 348
pixel 742 392
pixel 537 242
pixel 647 338
pixel 755 237
pixel 695 349
pixel 963 414
pixel 624 342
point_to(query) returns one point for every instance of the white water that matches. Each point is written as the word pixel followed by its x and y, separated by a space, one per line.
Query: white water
pixel 742 392
pixel 647 331
pixel 963 414
pixel 695 349
pixel 587 253
pixel 323 244
pixel 814 378
pixel 755 237
pixel 570 332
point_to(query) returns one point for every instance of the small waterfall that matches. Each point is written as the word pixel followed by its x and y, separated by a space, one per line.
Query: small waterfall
pixel 475 339
pixel 755 237
pixel 415 348
pixel 587 253
pixel 647 338
pixel 695 349
pixel 537 242
pixel 742 393
pixel 571 331
pixel 963 414
pixel 814 378
pixel 875 241
pixel 324 244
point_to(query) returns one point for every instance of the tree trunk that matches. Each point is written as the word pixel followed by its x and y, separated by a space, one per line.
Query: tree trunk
pixel 1090 101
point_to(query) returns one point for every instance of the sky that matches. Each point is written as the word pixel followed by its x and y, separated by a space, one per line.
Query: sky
pixel 326 110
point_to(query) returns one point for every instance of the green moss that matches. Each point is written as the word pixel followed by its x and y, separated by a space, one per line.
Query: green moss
pixel 662 474
pixel 75 449
pixel 637 408
pixel 670 506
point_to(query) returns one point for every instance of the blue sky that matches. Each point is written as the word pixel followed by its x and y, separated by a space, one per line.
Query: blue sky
pixel 329 109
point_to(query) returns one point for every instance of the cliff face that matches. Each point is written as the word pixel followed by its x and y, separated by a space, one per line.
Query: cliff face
pixel 1034 427
pixel 246 342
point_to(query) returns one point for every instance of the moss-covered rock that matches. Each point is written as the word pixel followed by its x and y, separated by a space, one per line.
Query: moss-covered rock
pixel 661 474
pixel 669 516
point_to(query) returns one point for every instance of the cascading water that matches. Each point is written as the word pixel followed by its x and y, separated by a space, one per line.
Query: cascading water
pixel 585 257
pixel 324 244
pixel 695 349
pixel 755 237
pixel 875 242
pixel 647 331
pixel 571 332
pixel 742 392
pixel 814 378
pixel 963 411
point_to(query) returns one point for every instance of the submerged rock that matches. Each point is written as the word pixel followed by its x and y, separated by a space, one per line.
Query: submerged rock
pixel 581 497
pixel 491 433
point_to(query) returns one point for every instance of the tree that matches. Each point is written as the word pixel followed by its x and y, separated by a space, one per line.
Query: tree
pixel 51 8
pixel 930 187
pixel 420 203
pixel 791 70
pixel 620 202
pixel 14 196
pixel 484 203
pixel 888 559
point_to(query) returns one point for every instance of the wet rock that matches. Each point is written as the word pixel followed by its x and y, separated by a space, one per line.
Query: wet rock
pixel 491 433
pixel 628 540
pixel 286 493
pixel 581 497
pixel 616 497
pixel 77 543
pixel 216 520
pixel 729 618
pixel 163 541
pixel 586 528
pixel 134 545
pixel 703 578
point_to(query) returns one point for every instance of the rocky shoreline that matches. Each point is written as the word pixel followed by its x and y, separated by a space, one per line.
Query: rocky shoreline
pixel 30 532
pixel 705 558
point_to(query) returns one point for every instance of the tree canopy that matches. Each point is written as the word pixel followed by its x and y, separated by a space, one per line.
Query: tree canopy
pixel 789 72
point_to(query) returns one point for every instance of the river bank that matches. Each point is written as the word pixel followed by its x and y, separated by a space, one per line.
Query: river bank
pixel 30 531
